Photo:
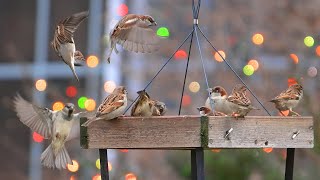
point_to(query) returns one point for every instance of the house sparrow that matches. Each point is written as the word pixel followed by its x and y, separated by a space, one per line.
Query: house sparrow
pixel 145 106
pixel 219 97
pixel 239 102
pixel 133 32
pixel 112 107
pixel 58 126
pixel 63 42
pixel 161 106
pixel 205 111
pixel 289 99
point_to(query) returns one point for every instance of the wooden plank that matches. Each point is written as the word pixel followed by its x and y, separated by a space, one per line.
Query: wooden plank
pixel 189 132
pixel 259 131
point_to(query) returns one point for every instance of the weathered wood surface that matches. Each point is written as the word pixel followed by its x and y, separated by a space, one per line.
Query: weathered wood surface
pixel 188 132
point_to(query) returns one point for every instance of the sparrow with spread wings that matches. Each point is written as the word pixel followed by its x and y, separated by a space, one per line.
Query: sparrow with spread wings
pixel 112 107
pixel 58 126
pixel 63 42
pixel 134 33
pixel 289 99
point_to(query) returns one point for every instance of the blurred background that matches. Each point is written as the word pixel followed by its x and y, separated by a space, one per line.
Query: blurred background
pixel 271 44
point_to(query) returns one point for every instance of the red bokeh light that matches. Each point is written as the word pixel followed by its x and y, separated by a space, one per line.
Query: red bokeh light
pixel 180 54
pixel 37 137
pixel 267 150
pixel 71 91
pixel 124 150
pixel 122 10
pixel 186 100
pixel 292 81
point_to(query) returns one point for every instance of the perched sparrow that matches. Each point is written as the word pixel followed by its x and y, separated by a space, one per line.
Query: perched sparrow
pixel 289 99
pixel 218 96
pixel 161 106
pixel 58 126
pixel 63 42
pixel 240 103
pixel 145 106
pixel 112 107
pixel 204 111
pixel 133 32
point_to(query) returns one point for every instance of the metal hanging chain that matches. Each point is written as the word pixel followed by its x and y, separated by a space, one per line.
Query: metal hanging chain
pixel 234 71
pixel 191 33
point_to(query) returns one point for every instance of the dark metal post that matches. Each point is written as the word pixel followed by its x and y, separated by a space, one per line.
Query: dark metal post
pixel 289 164
pixel 197 164
pixel 104 164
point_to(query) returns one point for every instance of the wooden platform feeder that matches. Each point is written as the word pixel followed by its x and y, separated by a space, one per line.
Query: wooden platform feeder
pixel 194 132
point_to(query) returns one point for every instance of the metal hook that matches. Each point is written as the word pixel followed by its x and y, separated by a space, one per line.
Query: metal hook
pixel 228 133
pixel 295 134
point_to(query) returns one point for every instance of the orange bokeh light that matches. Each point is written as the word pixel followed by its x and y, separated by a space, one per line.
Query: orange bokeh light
pixel 96 177
pixel 318 50
pixel 216 150
pixel 186 100
pixel 131 176
pixel 37 137
pixel 57 106
pixel 254 63
pixel 109 86
pixel 267 150
pixel 257 39
pixel 92 61
pixel 180 54
pixel 292 81
pixel 124 150
pixel 286 113
pixel 41 85
pixel 295 58
pixel 90 104
pixel 72 177
pixel 217 56
pixel 74 167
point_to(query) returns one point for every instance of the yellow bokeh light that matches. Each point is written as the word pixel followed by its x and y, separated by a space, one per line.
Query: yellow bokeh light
pixel 92 61
pixel 254 63
pixel 217 56
pixel 74 167
pixel 99 166
pixel 57 106
pixel 41 85
pixel 131 176
pixel 109 86
pixel 257 39
pixel 194 87
pixel 295 58
pixel 90 104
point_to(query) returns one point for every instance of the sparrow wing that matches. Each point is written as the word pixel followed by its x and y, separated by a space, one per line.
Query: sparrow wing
pixel 79 59
pixel 75 129
pixel 111 103
pixel 288 94
pixel 36 118
pixel 239 99
pixel 71 23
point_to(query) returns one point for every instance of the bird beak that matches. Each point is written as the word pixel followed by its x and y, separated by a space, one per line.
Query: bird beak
pixel 198 108
pixel 155 23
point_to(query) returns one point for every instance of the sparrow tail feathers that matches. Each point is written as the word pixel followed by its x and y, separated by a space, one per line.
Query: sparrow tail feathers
pixel 47 157
pixel 86 124
pixel 62 158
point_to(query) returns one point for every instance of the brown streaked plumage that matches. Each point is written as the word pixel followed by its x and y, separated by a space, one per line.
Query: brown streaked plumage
pixel 112 107
pixel 133 32
pixel 289 99
pixel 63 42
pixel 146 107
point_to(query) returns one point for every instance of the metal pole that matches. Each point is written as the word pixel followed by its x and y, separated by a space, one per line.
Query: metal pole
pixel 197 164
pixel 104 164
pixel 289 164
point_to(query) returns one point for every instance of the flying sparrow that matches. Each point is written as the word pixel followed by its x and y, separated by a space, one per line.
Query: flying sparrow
pixel 218 96
pixel 63 42
pixel 289 99
pixel 58 126
pixel 240 103
pixel 133 32
pixel 205 111
pixel 112 107
pixel 145 106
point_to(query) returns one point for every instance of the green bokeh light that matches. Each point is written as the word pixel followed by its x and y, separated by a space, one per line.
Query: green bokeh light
pixel 81 102
pixel 248 70
pixel 309 41
pixel 163 32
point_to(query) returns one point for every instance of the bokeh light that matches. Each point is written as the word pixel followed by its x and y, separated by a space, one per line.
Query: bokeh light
pixel 292 81
pixel 96 177
pixel 37 137
pixel 295 58
pixel 194 87
pixel 257 39
pixel 163 32
pixel 180 54
pixel 312 71
pixel 122 10
pixel 92 61
pixel 318 50
pixel 217 56
pixel 267 150
pixel 186 100
pixel 248 70
pixel 284 113
pixel 71 91
pixel 57 106
pixel 73 177
pixel 41 85
pixel 74 167
pixel 309 41
pixel 124 150
pixel 81 102
pixel 109 86
pixel 216 150
pixel 99 166
pixel 254 63
pixel 131 176
pixel 90 104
